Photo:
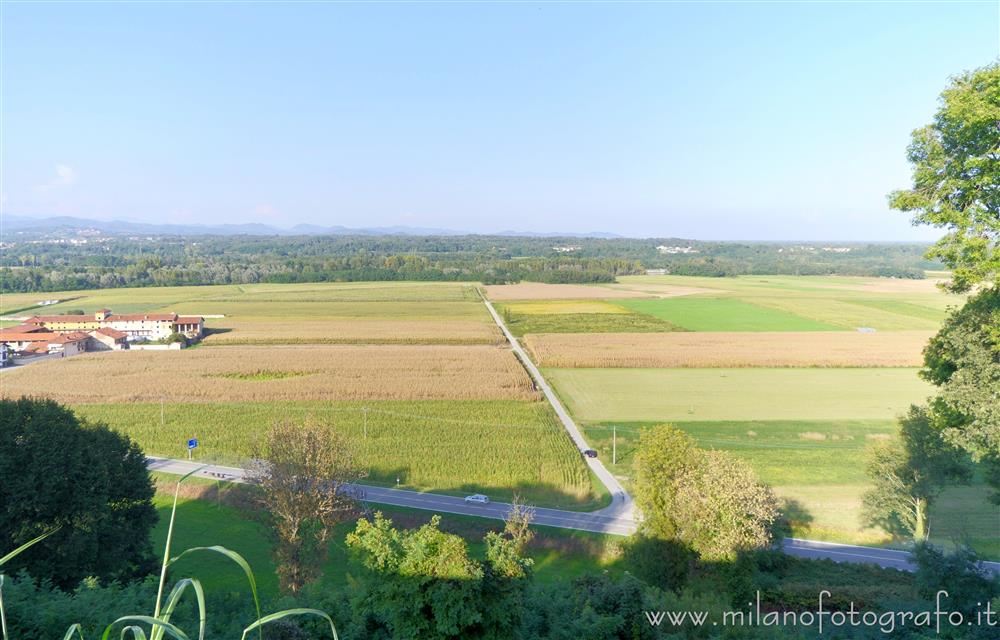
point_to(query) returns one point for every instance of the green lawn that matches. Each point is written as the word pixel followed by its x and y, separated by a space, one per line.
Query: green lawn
pixel 723 314
pixel 595 395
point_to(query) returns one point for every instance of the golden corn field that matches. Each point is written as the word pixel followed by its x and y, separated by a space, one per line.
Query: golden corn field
pixel 497 447
pixel 327 372
pixel 235 330
pixel 721 349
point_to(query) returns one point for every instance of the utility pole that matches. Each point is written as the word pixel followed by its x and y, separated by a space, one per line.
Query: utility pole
pixel 614 446
pixel 365 427
pixel 161 411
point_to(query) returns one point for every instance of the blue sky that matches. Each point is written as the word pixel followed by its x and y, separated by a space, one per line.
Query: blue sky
pixel 713 121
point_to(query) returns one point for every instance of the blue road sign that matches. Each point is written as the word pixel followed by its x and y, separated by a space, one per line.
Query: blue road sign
pixel 192 443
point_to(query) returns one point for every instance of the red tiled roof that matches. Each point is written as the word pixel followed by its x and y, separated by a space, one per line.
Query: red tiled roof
pixel 189 319
pixel 24 328
pixel 63 338
pixel 111 333
pixel 135 317
pixel 73 318
pixel 38 336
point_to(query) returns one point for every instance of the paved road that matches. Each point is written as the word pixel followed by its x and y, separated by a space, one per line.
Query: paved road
pixel 597 522
pixel 621 503
pixel 889 558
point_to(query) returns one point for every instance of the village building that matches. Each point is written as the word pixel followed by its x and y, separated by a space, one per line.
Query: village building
pixel 107 339
pixel 135 326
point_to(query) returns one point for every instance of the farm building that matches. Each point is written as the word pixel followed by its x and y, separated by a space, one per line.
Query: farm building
pixel 135 326
pixel 41 342
pixel 107 339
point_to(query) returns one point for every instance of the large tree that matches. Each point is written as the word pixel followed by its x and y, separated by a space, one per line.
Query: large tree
pixel 956 178
pixel 58 471
pixel 707 500
pixel 305 473
pixel 963 361
pixel 724 510
pixel 907 474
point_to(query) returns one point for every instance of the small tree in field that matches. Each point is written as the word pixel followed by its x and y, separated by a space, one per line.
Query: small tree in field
pixel 724 509
pixel 705 500
pixel 304 472
pixel 909 473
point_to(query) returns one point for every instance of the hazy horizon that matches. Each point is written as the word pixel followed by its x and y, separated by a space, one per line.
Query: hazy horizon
pixel 752 122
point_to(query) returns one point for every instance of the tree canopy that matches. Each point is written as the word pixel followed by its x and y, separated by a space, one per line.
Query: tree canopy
pixel 956 178
pixel 707 500
pixel 907 474
pixel 58 471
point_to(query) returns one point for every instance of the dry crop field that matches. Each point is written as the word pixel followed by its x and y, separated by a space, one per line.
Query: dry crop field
pixel 737 349
pixel 416 375
pixel 257 373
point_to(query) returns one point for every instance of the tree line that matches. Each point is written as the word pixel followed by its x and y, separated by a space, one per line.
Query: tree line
pixel 27 266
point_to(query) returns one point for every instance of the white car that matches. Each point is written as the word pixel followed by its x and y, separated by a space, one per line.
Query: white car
pixel 477 499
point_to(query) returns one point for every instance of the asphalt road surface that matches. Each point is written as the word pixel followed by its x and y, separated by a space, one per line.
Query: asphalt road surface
pixel 597 521
pixel 621 503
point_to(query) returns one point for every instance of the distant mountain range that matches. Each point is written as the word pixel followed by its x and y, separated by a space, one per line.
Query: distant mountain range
pixel 68 224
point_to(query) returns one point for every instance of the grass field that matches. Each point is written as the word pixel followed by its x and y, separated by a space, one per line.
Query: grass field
pixel 724 314
pixel 885 304
pixel 737 394
pixel 719 349
pixel 343 372
pixel 817 467
pixel 558 554
pixel 458 447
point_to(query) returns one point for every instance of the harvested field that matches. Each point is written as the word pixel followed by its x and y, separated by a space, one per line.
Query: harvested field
pixel 347 372
pixel 539 291
pixel 720 349
pixel 236 330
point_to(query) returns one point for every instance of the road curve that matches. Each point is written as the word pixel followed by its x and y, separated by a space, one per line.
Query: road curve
pixel 596 522
pixel 621 502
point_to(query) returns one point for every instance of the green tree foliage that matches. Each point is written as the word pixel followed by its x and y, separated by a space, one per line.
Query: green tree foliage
pixel 907 474
pixel 664 457
pixel 709 501
pixel 956 178
pixel 958 573
pixel 40 262
pixel 724 510
pixel 58 471
pixel 422 583
pixel 963 361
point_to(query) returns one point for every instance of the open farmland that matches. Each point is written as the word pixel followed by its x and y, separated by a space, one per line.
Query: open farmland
pixel 496 447
pixel 719 349
pixel 668 395
pixel 539 291
pixel 817 467
pixel 317 313
pixel 256 374
pixel 724 314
